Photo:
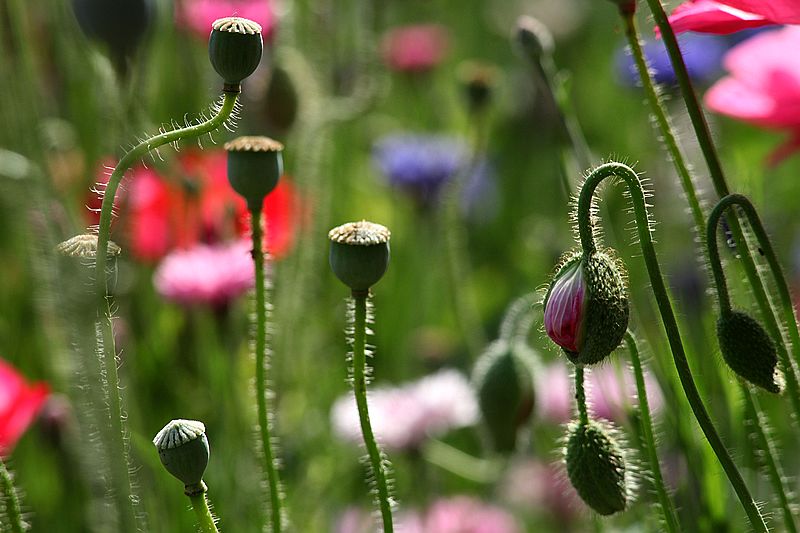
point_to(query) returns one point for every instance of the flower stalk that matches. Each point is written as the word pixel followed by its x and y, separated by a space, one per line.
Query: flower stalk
pixel 11 509
pixel 205 520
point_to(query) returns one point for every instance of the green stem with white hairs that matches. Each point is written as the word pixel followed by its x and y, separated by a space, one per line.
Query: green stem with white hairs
pixel 587 238
pixel 12 507
pixel 205 520
pixel 665 502
pixel 580 395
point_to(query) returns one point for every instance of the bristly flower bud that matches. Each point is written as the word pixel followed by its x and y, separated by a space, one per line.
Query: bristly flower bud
pixel 254 166
pixel 749 351
pixel 235 48
pixel 586 307
pixel 596 468
pixel 503 379
pixel 359 253
pixel 183 449
pixel 534 38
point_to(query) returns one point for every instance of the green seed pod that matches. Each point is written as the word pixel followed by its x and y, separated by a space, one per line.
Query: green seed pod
pixel 254 166
pixel 586 307
pixel 235 48
pixel 596 467
pixel 183 448
pixel 534 38
pixel 749 351
pixel 503 379
pixel 359 253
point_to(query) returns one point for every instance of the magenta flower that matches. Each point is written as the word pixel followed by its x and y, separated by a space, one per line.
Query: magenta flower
pixel 463 514
pixel 728 16
pixel 206 274
pixel 198 15
pixel 403 417
pixel 532 484
pixel 563 311
pixel 415 48
pixel 763 87
pixel 19 404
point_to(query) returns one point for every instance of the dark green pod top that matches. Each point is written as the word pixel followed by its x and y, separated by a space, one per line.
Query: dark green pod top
pixel 183 449
pixel 235 48
pixel 254 166
pixel 359 253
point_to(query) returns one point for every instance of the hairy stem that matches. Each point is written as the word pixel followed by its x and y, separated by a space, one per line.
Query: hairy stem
pixel 360 390
pixel 670 517
pixel 670 324
pixel 205 520
pixel 264 421
pixel 580 395
pixel 13 509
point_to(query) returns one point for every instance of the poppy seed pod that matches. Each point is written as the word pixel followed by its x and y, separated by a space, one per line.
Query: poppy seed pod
pixel 119 25
pixel 359 253
pixel 235 48
pixel 183 449
pixel 534 38
pixel 503 379
pixel 749 351
pixel 586 307
pixel 596 467
pixel 254 166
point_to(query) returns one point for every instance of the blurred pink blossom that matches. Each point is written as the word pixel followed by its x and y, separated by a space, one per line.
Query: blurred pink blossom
pixel 545 488
pixel 763 87
pixel 415 48
pixel 206 274
pixel 402 417
pixel 19 404
pixel 198 15
pixel 727 16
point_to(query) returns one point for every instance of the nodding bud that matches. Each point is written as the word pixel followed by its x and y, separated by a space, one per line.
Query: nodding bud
pixel 254 166
pixel 235 48
pixel 120 25
pixel 586 307
pixel 534 38
pixel 749 351
pixel 359 253
pixel 183 449
pixel 596 467
pixel 503 379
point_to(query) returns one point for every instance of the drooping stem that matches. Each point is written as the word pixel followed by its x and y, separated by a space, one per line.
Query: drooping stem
pixel 264 417
pixel 773 328
pixel 377 461
pixel 205 520
pixel 770 456
pixel 670 517
pixel 580 395
pixel 13 510
pixel 670 324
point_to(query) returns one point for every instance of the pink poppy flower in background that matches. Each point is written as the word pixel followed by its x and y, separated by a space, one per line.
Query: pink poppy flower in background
pixel 206 274
pixel 198 15
pixel 763 85
pixel 728 16
pixel 403 417
pixel 19 404
pixel 416 48
pixel 532 484
pixel 464 514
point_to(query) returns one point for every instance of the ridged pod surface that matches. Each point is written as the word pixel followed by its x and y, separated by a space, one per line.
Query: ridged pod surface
pixel 596 468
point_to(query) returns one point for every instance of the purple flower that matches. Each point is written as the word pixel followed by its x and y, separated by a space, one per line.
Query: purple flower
pixel 564 307
pixel 403 417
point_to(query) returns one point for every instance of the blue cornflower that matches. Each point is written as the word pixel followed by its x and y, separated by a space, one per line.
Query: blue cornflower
pixel 702 54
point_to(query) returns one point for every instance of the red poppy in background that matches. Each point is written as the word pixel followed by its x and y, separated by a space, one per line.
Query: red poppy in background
pixel 728 16
pixel 416 48
pixel 19 404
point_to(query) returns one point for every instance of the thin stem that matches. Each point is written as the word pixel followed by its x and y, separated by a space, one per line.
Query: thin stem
pixel 377 462
pixel 668 319
pixel 13 509
pixel 670 517
pixel 462 464
pixel 580 395
pixel 205 520
pixel 770 455
pixel 261 367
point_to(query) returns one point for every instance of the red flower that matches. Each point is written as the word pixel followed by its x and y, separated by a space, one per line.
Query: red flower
pixel 415 48
pixel 728 16
pixel 19 404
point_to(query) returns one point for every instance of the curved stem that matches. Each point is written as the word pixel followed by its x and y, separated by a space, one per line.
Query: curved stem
pixel 376 459
pixel 771 461
pixel 668 319
pixel 205 520
pixel 13 510
pixel 264 418
pixel 670 517
pixel 580 395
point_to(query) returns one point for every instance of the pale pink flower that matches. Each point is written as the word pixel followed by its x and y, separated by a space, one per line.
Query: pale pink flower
pixel 545 488
pixel 416 48
pixel 464 514
pixel 198 15
pixel 206 274
pixel 402 417
pixel 727 16
pixel 763 86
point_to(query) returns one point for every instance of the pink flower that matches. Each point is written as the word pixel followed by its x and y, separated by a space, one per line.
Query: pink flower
pixel 727 16
pixel 19 404
pixel 206 274
pixel 198 15
pixel 563 312
pixel 415 48
pixel 763 87
pixel 463 514
pixel 404 416
pixel 530 483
